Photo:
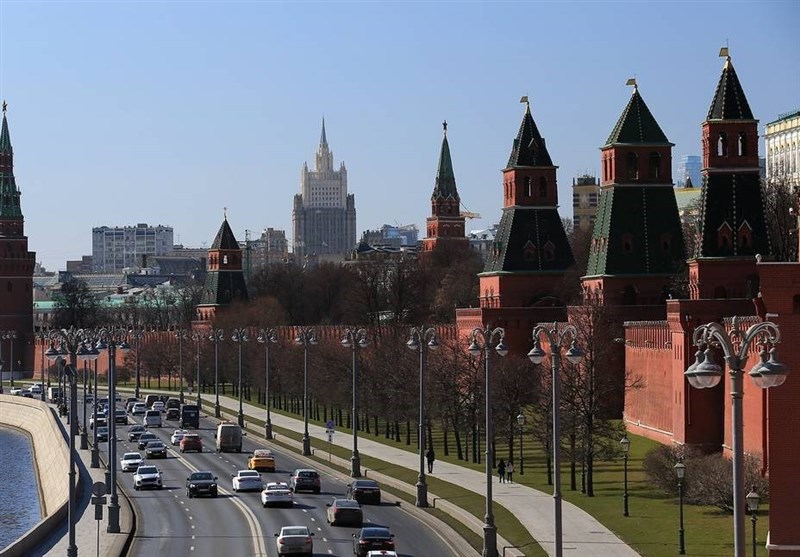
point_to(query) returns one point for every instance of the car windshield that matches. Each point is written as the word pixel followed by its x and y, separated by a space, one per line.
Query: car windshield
pixel 148 470
pixel 202 476
pixel 146 436
pixel 365 483
pixel 375 533
pixel 131 456
pixel 349 503
pixel 295 531
pixel 154 444
pixel 262 453
pixel 191 437
pixel 136 428
pixel 277 487
pixel 307 474
pixel 248 474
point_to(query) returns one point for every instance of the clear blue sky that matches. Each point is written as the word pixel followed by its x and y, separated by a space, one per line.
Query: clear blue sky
pixel 166 112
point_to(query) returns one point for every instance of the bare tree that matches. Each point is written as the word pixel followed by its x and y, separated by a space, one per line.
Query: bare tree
pixel 75 306
pixel 781 208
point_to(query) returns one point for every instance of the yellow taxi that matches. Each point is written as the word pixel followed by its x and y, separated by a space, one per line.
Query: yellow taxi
pixel 262 460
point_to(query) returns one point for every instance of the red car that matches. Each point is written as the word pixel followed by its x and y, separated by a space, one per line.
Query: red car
pixel 191 442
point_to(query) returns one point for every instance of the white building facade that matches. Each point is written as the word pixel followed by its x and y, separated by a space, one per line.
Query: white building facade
pixel 782 142
pixel 121 247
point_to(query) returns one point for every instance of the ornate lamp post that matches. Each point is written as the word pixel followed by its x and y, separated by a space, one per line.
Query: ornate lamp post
pixel 266 337
pixel 521 424
pixel 487 336
pixel 239 336
pixel 680 472
pixel 556 338
pixel 304 338
pixel 626 446
pixel 752 505
pixel 354 339
pixel 196 338
pixel 417 341
pixel 42 335
pixel 136 334
pixel 95 462
pixel 216 337
pixel 704 373
pixel 181 334
pixel 11 336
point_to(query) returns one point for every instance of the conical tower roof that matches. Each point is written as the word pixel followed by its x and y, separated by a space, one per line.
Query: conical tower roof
pixel 730 102
pixel 529 148
pixel 445 178
pixel 5 138
pixel 225 238
pixel 636 124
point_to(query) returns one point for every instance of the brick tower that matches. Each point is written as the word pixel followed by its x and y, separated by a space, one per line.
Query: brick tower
pixel 637 243
pixel 446 224
pixel 733 226
pixel 16 265
pixel 225 282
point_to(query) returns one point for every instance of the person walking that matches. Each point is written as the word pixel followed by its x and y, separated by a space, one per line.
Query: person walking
pixel 501 470
pixel 510 471
pixel 431 456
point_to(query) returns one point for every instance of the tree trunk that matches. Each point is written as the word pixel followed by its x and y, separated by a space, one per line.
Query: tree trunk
pixel 573 477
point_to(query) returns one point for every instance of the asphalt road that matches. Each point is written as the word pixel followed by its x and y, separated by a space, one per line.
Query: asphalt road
pixel 235 524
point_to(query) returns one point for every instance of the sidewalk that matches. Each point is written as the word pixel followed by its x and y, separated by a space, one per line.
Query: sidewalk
pixel 583 535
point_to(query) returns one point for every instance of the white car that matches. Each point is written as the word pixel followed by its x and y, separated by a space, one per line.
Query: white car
pixel 277 494
pixel 247 480
pixel 138 409
pixel 16 390
pixel 130 462
pixel 177 435
pixel 382 553
pixel 295 539
pixel 147 477
pixel 158 405
pixel 36 388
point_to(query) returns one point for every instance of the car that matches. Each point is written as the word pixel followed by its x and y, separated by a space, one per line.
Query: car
pixel 344 512
pixel 262 460
pixel 120 416
pixel 36 388
pixel 89 399
pixel 191 442
pixel 372 538
pixel 98 421
pixel 136 431
pixel 201 483
pixel 102 433
pixel 295 540
pixel 130 462
pixel 152 418
pixel 147 477
pixel 138 409
pixel 382 553
pixel 26 393
pixel 155 449
pixel 145 438
pixel 304 479
pixel 158 405
pixel 130 403
pixel 277 494
pixel 177 435
pixel 173 402
pixel 15 391
pixel 247 480
pixel 364 491
pixel 173 414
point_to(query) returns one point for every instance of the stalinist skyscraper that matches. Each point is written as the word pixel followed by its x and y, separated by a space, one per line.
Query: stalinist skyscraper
pixel 324 214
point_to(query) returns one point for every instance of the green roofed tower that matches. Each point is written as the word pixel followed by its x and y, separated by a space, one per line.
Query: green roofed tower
pixel 637 242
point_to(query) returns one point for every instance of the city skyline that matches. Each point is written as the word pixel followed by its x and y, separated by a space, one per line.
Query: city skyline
pixel 123 113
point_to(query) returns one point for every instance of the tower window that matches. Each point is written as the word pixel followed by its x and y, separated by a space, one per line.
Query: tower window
pixel 632 166
pixel 529 186
pixel 627 243
pixel 722 145
pixel 542 187
pixel 742 145
pixel 655 166
pixel 224 259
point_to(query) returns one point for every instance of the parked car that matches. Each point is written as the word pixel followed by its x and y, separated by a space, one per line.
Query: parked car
pixel 130 462
pixel 277 494
pixel 344 512
pixel 364 491
pixel 102 434
pixel 191 442
pixel 145 438
pixel 138 409
pixel 177 435
pixel 201 483
pixel 136 431
pixel 147 477
pixel 155 449
pixel 247 480
pixel 262 460
pixel 372 538
pixel 172 414
pixel 295 539
pixel 304 479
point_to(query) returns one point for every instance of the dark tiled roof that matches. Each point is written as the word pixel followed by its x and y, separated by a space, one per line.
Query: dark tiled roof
pixel 9 197
pixel 729 101
pixel 529 147
pixel 530 240
pixel 733 199
pixel 225 238
pixel 647 218
pixel 636 124
pixel 224 287
pixel 445 178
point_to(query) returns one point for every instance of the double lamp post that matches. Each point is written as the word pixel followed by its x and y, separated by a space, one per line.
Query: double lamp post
pixel 420 339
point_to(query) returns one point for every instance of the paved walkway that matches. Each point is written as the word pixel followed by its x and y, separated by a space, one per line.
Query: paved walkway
pixel 583 535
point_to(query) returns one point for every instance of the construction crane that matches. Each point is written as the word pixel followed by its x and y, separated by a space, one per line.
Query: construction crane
pixel 470 215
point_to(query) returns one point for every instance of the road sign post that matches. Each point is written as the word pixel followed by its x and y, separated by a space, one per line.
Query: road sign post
pixel 330 431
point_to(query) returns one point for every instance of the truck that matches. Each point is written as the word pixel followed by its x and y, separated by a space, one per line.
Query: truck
pixel 229 438
pixel 190 416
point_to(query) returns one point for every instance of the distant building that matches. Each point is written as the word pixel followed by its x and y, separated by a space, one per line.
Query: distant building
pixel 114 249
pixel 271 248
pixel 585 194
pixel 394 236
pixel 324 214
pixel 689 169
pixel 482 241
pixel 82 267
pixel 782 142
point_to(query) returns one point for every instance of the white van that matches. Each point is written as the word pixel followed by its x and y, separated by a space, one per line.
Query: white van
pixel 229 438
pixel 152 418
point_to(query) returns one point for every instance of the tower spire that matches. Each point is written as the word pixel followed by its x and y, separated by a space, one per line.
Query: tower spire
pixel 5 138
pixel 323 139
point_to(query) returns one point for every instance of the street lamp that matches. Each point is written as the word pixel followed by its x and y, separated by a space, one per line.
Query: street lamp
pixel 181 334
pixel 86 354
pixel 266 337
pixel 95 462
pixel 521 424
pixel 752 505
pixel 42 335
pixel 680 472
pixel 556 338
pixel 239 336
pixel 487 335
pixel 216 337
pixel 354 339
pixel 196 338
pixel 704 373
pixel 11 336
pixel 304 338
pixel 626 447
pixel 417 341
pixel 136 334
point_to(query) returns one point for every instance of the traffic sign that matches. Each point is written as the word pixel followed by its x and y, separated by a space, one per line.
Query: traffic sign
pixel 329 425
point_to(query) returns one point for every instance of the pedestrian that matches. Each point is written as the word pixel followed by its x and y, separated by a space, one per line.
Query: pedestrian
pixel 431 456
pixel 501 470
pixel 510 471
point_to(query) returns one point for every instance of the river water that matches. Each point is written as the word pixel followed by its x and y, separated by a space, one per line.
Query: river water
pixel 19 492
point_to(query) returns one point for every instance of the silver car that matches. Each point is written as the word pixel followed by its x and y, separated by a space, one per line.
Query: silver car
pixel 294 540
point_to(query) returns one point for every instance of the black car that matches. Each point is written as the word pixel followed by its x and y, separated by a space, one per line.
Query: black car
pixel 173 414
pixel 372 538
pixel 136 431
pixel 344 512
pixel 304 479
pixel 364 491
pixel 145 438
pixel 201 483
pixel 155 449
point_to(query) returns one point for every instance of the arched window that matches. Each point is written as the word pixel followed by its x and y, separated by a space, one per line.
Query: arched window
pixel 542 187
pixel 655 166
pixel 722 144
pixel 742 145
pixel 529 186
pixel 632 166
